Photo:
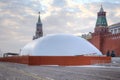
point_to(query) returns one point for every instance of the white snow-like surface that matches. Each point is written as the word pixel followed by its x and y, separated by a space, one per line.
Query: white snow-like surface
pixel 96 66
pixel 59 45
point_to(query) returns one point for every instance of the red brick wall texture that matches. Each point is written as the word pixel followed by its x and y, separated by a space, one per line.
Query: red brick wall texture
pixel 107 42
pixel 58 60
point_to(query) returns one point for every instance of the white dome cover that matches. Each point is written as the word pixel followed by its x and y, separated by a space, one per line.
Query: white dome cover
pixel 59 45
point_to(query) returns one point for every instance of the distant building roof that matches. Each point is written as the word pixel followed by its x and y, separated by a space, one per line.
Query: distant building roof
pixel 9 53
pixel 115 25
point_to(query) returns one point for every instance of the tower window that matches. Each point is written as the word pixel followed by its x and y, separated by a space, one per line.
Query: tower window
pixel 111 31
pixel 115 31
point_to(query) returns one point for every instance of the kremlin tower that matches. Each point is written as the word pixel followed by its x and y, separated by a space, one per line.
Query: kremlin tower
pixel 39 32
pixel 103 38
pixel 101 26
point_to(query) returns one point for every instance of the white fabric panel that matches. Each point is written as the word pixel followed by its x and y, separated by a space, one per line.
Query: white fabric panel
pixel 59 45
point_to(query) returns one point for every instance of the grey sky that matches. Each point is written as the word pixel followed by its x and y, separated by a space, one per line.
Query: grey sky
pixel 18 18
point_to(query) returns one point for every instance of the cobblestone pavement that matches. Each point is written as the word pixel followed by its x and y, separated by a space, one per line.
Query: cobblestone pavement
pixel 14 71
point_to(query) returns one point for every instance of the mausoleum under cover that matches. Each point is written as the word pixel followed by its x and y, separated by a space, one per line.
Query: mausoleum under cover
pixel 59 45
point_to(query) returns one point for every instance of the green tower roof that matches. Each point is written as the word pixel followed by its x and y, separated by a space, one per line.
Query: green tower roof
pixel 101 18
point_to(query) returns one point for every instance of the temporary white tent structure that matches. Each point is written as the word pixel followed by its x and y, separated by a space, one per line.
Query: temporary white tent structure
pixel 59 45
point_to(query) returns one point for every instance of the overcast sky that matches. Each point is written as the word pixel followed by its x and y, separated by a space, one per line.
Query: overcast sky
pixel 18 18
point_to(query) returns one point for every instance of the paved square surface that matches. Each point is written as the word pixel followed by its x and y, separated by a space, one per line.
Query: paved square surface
pixel 14 71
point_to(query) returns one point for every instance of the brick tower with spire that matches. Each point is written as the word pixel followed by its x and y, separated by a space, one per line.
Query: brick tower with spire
pixel 102 38
pixel 101 29
pixel 101 26
pixel 39 32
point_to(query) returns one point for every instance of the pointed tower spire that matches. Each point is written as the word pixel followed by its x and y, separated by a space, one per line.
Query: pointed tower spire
pixel 101 18
pixel 39 32
pixel 39 20
pixel 101 23
pixel 101 9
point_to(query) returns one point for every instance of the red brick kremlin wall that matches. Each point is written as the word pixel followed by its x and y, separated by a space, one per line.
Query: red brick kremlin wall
pixel 57 60
pixel 107 42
